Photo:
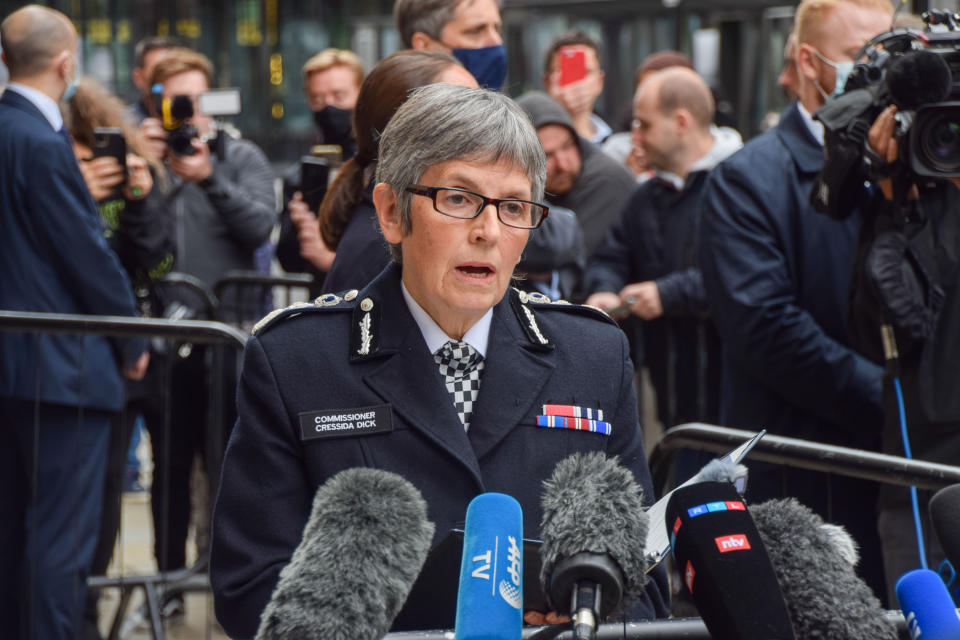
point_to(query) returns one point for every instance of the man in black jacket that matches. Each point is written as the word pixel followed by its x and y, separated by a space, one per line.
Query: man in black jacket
pixel 647 264
pixel 906 278
pixel 776 273
pixel 224 209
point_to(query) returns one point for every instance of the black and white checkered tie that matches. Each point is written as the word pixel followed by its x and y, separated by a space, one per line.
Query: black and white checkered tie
pixel 460 366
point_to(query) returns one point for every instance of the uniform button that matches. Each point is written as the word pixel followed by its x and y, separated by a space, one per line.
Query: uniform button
pixel 366 304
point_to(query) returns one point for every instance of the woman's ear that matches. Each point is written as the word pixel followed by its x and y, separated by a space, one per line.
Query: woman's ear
pixel 388 214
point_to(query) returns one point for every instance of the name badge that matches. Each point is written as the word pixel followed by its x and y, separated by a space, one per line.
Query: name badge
pixel 340 423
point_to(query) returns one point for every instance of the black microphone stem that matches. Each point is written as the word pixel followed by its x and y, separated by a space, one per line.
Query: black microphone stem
pixel 585 606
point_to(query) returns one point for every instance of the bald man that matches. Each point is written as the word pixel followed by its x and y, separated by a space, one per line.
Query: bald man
pixel 646 265
pixel 58 393
pixel 776 275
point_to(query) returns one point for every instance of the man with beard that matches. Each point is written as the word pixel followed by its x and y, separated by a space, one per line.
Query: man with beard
pixel 580 177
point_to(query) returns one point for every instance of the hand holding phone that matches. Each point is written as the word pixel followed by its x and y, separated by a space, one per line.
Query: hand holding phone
pixel 105 172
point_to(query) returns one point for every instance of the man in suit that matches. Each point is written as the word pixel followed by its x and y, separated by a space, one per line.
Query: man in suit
pixel 776 274
pixel 57 392
pixel 388 349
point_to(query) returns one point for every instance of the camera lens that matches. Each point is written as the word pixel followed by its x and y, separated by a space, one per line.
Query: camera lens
pixel 180 140
pixel 940 142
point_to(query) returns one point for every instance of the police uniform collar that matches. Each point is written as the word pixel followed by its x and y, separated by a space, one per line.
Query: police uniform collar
pixel 520 302
pixel 435 337
pixel 383 301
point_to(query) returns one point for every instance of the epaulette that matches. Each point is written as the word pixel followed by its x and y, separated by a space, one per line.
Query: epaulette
pixel 541 301
pixel 327 302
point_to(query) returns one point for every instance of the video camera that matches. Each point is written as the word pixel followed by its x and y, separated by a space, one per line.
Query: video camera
pixel 917 70
pixel 175 114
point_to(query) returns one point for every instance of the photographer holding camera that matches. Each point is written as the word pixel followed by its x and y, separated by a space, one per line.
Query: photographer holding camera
pixel 224 208
pixel 904 306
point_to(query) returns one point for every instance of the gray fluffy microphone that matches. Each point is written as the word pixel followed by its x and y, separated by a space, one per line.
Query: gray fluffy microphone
pixel 593 531
pixel 362 548
pixel 814 564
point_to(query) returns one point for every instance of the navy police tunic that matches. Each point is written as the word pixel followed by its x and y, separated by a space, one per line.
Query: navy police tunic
pixel 348 381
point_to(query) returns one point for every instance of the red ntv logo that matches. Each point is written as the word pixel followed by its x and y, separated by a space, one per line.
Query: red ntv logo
pixel 736 542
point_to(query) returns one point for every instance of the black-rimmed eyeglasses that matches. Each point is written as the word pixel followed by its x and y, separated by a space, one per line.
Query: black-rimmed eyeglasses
pixel 460 203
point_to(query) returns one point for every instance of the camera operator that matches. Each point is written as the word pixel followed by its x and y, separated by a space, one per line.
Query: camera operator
pixel 891 156
pixel 906 277
pixel 224 208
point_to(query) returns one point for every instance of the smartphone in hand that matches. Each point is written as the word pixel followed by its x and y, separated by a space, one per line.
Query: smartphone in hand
pixel 109 141
pixel 573 64
pixel 314 173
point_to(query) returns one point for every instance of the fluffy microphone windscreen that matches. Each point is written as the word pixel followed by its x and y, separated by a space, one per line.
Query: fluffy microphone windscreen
pixel 724 564
pixel 490 593
pixel 917 78
pixel 812 562
pixel 593 504
pixel 945 517
pixel 927 606
pixel 718 470
pixel 362 548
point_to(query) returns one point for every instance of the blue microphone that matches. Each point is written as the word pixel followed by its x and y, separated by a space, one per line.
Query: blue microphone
pixel 490 595
pixel 927 606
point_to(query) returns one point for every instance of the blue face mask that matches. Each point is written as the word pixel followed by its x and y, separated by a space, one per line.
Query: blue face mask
pixel 843 70
pixel 487 64
pixel 71 86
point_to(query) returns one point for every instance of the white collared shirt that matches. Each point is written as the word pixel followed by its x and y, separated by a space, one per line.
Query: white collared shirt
pixel 41 101
pixel 435 337
pixel 815 126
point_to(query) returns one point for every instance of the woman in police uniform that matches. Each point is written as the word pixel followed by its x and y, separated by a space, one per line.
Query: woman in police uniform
pixel 437 370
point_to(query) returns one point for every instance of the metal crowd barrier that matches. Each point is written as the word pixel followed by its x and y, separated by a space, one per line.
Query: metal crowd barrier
pixel 673 629
pixel 246 296
pixel 220 336
pixel 256 280
pixel 801 454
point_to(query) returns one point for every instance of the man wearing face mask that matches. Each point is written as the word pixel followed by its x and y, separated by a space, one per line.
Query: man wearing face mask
pixel 58 393
pixel 776 274
pixel 467 29
pixel 331 82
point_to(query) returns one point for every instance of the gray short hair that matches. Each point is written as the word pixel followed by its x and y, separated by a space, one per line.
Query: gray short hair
pixel 443 122
pixel 428 16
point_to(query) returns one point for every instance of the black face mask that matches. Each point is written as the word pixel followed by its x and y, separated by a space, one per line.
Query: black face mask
pixel 335 124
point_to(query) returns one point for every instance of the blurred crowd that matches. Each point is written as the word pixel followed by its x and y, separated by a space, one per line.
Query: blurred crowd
pixel 731 290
